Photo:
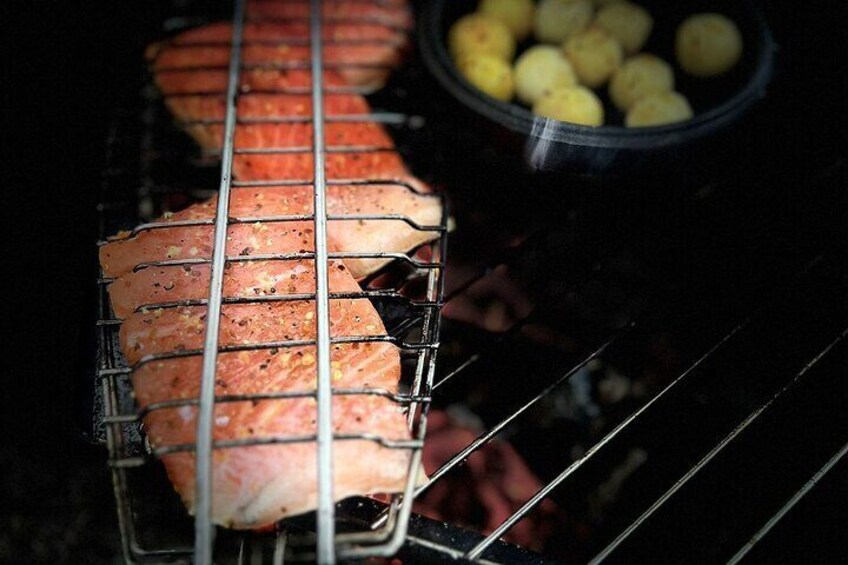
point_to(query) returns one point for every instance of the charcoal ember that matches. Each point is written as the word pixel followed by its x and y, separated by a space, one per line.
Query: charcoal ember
pixel 489 487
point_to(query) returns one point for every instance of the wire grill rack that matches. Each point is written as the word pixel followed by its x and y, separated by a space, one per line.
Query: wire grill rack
pixel 416 335
pixel 296 539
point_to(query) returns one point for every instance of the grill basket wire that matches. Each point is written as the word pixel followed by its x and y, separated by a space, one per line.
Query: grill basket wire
pixel 417 342
pixel 121 420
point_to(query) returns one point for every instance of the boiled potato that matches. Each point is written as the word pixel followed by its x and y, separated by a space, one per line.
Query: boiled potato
pixel 639 76
pixel 658 109
pixel 477 34
pixel 557 20
pixel 490 74
pixel 628 23
pixel 595 56
pixel 708 44
pixel 539 70
pixel 575 104
pixel 517 15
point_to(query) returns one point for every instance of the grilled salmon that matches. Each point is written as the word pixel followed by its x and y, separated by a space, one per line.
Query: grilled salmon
pixel 393 14
pixel 161 273
pixel 362 42
pixel 120 256
pixel 257 485
pixel 358 148
pixel 278 121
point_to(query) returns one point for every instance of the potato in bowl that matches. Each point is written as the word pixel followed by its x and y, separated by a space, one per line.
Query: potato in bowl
pixel 598 45
pixel 715 101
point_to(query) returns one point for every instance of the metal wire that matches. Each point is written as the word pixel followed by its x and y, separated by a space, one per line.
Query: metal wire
pixel 388 118
pixel 334 20
pixel 115 375
pixel 204 529
pixel 485 437
pixel 801 493
pixel 540 495
pixel 326 548
pixel 293 40
pixel 715 451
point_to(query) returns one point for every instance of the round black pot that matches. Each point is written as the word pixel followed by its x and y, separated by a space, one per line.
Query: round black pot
pixel 548 145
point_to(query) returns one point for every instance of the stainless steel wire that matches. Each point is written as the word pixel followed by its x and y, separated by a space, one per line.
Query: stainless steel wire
pixel 326 547
pixel 485 437
pixel 329 544
pixel 605 553
pixel 204 528
pixel 540 495
pixel 115 375
pixel 793 500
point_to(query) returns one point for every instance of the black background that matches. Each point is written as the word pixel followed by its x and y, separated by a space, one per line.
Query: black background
pixel 62 70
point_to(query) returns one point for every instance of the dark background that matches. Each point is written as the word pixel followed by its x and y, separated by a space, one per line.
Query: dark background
pixel 63 67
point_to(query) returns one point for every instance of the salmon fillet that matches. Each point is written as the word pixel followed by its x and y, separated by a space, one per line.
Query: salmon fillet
pixel 268 302
pixel 394 14
pixel 120 256
pixel 362 42
pixel 258 485
pixel 289 32
pixel 202 117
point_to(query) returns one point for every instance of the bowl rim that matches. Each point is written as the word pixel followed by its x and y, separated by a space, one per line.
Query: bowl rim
pixel 521 120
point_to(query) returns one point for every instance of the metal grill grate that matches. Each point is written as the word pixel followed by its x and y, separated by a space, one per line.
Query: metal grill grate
pixel 416 338
pixel 390 525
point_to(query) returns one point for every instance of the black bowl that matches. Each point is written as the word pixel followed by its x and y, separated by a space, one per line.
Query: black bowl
pixel 550 145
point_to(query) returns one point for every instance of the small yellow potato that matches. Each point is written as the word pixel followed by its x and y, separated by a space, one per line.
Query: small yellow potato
pixel 557 20
pixel 490 74
pixel 540 69
pixel 516 15
pixel 658 109
pixel 575 104
pixel 477 34
pixel 628 23
pixel 708 45
pixel 639 76
pixel 595 56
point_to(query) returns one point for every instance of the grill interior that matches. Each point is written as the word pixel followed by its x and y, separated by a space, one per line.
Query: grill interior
pixel 686 332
